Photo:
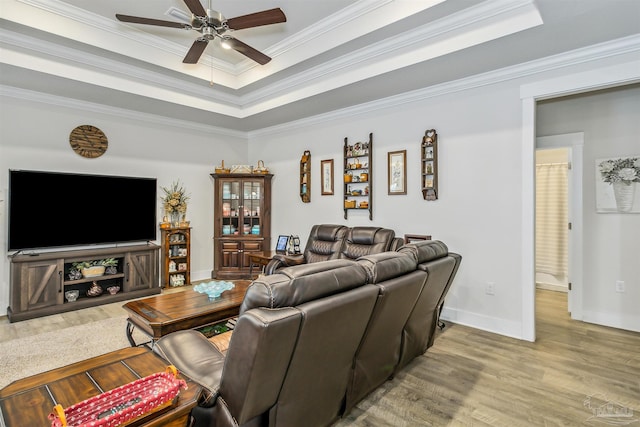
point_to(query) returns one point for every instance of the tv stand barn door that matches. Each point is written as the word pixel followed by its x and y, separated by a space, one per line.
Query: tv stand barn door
pixel 39 282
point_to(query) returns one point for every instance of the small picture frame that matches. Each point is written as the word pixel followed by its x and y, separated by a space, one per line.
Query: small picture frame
pixel 281 245
pixel 397 172
pixel 326 178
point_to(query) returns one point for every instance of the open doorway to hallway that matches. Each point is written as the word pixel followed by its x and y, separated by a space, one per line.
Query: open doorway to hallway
pixel 552 219
pixel 558 217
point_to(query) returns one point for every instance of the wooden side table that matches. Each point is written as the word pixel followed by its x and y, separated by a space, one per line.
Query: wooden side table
pixel 408 238
pixel 259 258
pixel 28 402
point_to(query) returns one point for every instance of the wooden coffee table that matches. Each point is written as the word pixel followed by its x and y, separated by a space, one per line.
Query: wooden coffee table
pixel 28 402
pixel 160 315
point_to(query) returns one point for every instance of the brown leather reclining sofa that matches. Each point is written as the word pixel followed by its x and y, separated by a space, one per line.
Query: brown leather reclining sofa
pixel 313 340
pixel 333 241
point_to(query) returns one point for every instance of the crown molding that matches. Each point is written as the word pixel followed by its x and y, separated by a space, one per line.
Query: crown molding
pixel 60 101
pixel 619 47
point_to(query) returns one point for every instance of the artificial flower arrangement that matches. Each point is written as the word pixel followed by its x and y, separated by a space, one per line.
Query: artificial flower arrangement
pixel 175 200
pixel 625 170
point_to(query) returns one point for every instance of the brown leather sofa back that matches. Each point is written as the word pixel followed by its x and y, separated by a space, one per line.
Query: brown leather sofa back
pixel 324 242
pixel 313 340
pixel 256 364
pixel 293 286
pixel 327 295
pixel 440 267
pixel 317 378
pixel 332 241
pixel 399 284
pixel 361 241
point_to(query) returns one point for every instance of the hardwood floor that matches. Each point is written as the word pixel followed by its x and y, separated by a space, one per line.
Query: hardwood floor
pixel 476 378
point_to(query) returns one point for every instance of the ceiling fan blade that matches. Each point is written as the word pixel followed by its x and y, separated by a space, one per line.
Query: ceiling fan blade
pixel 195 52
pixel 195 7
pixel 266 17
pixel 149 21
pixel 248 51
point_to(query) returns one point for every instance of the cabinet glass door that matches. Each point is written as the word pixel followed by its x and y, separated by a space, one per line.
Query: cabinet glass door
pixel 252 192
pixel 231 205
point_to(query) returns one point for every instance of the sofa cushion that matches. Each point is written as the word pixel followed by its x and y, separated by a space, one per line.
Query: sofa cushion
pixel 293 286
pixel 425 251
pixel 360 241
pixel 386 265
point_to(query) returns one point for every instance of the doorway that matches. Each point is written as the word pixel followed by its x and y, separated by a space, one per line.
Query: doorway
pixel 558 217
pixel 552 219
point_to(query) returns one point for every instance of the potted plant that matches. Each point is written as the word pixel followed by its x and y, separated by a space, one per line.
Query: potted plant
pixel 94 268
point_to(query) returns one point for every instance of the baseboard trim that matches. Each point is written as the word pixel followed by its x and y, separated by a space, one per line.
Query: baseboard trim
pixel 495 325
pixel 613 320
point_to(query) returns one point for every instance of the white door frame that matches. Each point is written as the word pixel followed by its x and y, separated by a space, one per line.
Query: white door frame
pixel 574 142
pixel 596 78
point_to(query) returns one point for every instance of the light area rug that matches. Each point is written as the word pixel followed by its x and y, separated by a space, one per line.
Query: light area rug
pixel 23 357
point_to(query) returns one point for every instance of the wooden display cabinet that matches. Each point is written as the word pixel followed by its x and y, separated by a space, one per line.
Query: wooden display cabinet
pixel 176 256
pixel 39 283
pixel 241 222
pixel 429 167
pixel 358 172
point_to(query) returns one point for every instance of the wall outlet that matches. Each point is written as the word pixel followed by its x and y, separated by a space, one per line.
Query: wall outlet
pixel 490 289
pixel 619 285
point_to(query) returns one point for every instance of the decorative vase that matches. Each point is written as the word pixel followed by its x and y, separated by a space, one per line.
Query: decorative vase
pixel 95 290
pixel 175 219
pixel 623 194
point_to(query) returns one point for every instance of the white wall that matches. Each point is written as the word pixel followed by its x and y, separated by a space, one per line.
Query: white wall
pixel 476 215
pixel 35 135
pixel 609 120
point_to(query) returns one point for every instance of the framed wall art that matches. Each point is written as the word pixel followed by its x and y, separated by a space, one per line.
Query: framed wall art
pixel 326 179
pixel 397 172
pixel 618 185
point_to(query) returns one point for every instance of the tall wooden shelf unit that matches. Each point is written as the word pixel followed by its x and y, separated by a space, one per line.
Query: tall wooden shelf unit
pixel 358 172
pixel 429 155
pixel 176 256
pixel 305 177
pixel 241 222
pixel 38 283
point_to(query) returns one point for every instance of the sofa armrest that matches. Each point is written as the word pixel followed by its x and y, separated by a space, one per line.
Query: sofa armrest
pixel 280 261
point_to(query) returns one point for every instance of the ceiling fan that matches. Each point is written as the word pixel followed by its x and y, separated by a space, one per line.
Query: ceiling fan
pixel 212 24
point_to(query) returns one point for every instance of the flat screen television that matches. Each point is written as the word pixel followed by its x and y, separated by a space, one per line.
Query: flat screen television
pixel 55 209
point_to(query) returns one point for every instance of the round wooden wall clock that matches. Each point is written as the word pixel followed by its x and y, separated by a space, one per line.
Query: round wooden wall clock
pixel 88 141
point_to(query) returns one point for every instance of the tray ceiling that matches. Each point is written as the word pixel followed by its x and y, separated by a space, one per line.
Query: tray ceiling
pixel 327 55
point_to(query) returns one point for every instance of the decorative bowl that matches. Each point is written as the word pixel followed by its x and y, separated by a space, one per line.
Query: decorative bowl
pixel 71 296
pixel 213 289
pixel 113 289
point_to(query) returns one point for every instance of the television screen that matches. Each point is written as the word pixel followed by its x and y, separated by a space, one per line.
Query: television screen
pixel 53 209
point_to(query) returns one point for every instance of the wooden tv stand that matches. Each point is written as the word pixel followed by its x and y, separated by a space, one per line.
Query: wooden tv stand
pixel 39 282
